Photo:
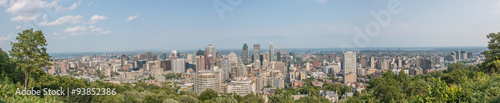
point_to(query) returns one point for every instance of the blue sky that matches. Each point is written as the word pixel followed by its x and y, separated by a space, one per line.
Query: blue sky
pixel 96 26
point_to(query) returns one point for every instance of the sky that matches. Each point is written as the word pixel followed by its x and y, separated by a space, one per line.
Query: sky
pixel 128 25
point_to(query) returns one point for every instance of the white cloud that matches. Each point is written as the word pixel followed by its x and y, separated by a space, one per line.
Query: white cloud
pixel 96 18
pixel 63 20
pixel 4 38
pixel 75 29
pixel 26 10
pixel 18 27
pixel 92 2
pixel 64 9
pixel 104 32
pixel 132 18
pixel 55 33
pixel 30 10
pixel 22 18
pixel 321 1
pixel 3 2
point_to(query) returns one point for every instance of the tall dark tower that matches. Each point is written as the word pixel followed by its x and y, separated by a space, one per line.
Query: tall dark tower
pixel 245 53
pixel 278 55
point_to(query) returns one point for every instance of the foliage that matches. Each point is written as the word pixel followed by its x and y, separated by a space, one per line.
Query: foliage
pixel 207 94
pixel 30 52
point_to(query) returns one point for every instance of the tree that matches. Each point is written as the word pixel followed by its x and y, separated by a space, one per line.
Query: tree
pixel 30 52
pixel 207 94
pixel 493 52
pixel 188 99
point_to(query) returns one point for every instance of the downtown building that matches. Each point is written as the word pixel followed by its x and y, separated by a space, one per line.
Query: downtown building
pixel 349 67
pixel 207 80
pixel 241 87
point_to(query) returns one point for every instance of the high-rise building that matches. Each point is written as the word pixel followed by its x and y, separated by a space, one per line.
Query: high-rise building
pixel 173 55
pixel 210 49
pixel 277 82
pixel 200 62
pixel 349 65
pixel 178 66
pixel 266 56
pixel 226 68
pixel 164 56
pixel 232 57
pixel 278 55
pixel 245 54
pixel 256 52
pixel 123 59
pixel 141 56
pixel 207 80
pixel 190 58
pixel 463 55
pixel 457 55
pixel 166 65
pixel 149 56
pixel 271 51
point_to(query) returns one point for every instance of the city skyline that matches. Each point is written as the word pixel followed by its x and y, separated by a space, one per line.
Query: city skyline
pixel 95 26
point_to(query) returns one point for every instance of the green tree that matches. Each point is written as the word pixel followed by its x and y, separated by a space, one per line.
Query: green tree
pixel 280 98
pixel 493 52
pixel 30 52
pixel 188 99
pixel 207 94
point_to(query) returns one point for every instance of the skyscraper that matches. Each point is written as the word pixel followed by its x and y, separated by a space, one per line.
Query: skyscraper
pixel 256 52
pixel 178 66
pixel 164 56
pixel 200 62
pixel 372 62
pixel 210 49
pixel 123 59
pixel 173 55
pixel 149 56
pixel 278 55
pixel 349 67
pixel 271 52
pixel 245 53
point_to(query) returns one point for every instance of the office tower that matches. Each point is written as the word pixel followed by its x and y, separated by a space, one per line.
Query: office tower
pixel 149 56
pixel 463 55
pixel 241 87
pixel 166 65
pixel 278 55
pixel 173 55
pixel 271 51
pixel 142 56
pixel 140 63
pixel 469 55
pixel 349 65
pixel 243 70
pixel 266 57
pixel 164 56
pixel 134 58
pixel 200 62
pixel 190 58
pixel 363 62
pixel 226 68
pixel 123 59
pixel 210 49
pixel 232 57
pixel 256 52
pixel 178 66
pixel 207 80
pixel 277 82
pixel 245 54
pixel 199 52
pixel 457 54
pixel 234 72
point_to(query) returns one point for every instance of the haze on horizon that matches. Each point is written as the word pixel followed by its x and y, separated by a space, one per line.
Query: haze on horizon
pixel 102 26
